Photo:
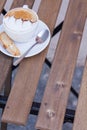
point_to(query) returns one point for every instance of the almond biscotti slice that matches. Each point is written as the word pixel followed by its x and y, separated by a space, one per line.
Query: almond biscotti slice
pixel 8 44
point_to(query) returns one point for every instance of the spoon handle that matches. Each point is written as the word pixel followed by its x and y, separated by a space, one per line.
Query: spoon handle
pixel 16 62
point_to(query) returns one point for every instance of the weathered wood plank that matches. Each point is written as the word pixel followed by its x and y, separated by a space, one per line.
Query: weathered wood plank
pixel 5 64
pixel 25 84
pixel 56 94
pixel 48 14
pixel 20 3
pixel 5 61
pixel 7 88
pixel 2 3
pixel 80 122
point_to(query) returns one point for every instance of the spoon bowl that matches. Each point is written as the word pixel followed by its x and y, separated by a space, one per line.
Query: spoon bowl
pixel 40 38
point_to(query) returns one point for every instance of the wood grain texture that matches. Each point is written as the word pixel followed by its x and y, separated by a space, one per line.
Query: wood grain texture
pixel 5 61
pixel 48 12
pixel 7 88
pixel 26 81
pixel 80 122
pixel 2 3
pixel 5 66
pixel 20 3
pixel 56 94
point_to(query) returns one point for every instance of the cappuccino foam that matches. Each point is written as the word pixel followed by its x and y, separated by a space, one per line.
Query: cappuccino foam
pixel 18 24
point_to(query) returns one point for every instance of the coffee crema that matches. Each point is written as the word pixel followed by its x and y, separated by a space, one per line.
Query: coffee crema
pixel 23 14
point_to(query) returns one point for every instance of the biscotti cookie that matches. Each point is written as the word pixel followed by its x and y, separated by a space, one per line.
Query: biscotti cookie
pixel 8 44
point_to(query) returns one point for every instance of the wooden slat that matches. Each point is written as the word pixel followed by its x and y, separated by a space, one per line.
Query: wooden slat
pixel 2 3
pixel 80 122
pixel 20 3
pixel 48 14
pixel 56 94
pixel 25 84
pixel 5 66
pixel 5 61
pixel 7 88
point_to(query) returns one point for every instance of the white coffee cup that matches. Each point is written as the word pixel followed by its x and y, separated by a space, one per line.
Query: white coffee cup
pixel 20 24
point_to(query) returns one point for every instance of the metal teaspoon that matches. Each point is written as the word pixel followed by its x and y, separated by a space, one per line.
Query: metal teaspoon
pixel 41 37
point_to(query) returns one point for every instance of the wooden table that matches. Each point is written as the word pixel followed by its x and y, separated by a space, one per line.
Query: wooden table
pixel 54 102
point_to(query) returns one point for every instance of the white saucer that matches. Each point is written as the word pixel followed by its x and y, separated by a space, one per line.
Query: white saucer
pixel 24 46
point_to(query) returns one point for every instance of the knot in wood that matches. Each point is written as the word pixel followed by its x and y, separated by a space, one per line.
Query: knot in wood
pixel 59 85
pixel 50 114
pixel 78 34
pixel 7 107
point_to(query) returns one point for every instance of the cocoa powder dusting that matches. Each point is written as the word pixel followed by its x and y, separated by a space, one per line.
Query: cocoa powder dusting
pixel 21 14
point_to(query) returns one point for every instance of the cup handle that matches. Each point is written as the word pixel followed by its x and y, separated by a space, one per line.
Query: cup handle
pixel 25 6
